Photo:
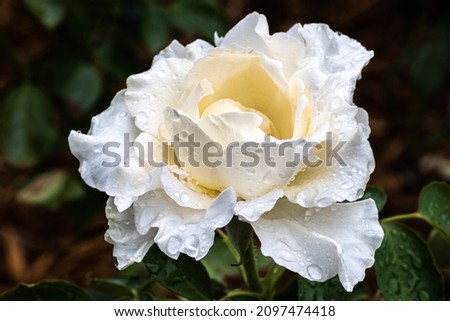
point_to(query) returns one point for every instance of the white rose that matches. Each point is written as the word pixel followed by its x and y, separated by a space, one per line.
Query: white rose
pixel 293 87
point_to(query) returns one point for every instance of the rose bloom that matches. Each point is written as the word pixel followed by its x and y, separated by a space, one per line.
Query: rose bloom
pixel 294 88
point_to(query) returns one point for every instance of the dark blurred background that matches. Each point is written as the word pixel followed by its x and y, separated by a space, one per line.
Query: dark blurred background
pixel 61 62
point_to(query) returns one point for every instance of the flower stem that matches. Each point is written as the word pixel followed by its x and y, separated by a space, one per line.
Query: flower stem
pixel 400 217
pixel 251 270
pixel 419 216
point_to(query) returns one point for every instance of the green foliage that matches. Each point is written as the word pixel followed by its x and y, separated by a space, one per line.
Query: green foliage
pixel 184 276
pixel 155 27
pixel 120 288
pixel 440 248
pixel 27 126
pixel 434 205
pixel 240 234
pixel 49 12
pixel 404 267
pixel 82 86
pixel 46 291
pixel 51 189
pixel 330 290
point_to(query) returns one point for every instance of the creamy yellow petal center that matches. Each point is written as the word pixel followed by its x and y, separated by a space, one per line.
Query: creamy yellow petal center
pixel 243 82
pixel 228 105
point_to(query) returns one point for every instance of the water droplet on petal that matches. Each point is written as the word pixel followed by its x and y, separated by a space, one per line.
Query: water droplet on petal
pixel 325 201
pixel 314 272
pixel 184 198
pixel 286 256
pixel 183 135
pixel 175 116
pixel 347 184
pixel 269 177
pixel 359 193
pixel 141 117
pixel 250 171
pixel 192 245
pixel 174 245
pixel 123 114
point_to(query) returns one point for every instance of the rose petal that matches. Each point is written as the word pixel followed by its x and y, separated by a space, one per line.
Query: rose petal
pixel 322 242
pixel 180 192
pixel 129 246
pixel 232 127
pixel 342 175
pixel 192 51
pixel 255 81
pixel 107 161
pixel 148 93
pixel 251 32
pixel 182 229
pixel 252 169
pixel 337 54
pixel 253 209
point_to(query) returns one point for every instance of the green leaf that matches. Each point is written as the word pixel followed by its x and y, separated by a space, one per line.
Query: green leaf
pixel 27 129
pixel 440 247
pixel 121 288
pixel 377 194
pixel 184 276
pixel 51 189
pixel 240 234
pixel 330 290
pixel 49 12
pixel 82 86
pixel 404 267
pixel 434 204
pixel 54 290
pixel 154 26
